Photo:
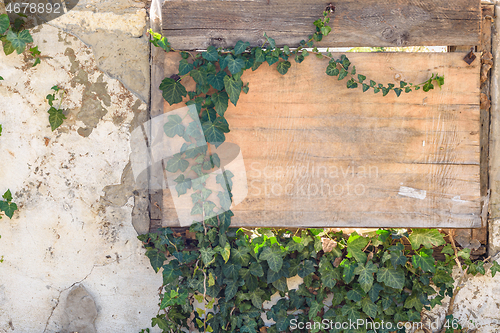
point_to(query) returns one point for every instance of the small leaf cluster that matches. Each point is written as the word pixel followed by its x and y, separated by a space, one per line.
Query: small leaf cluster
pixel 6 205
pixel 15 38
pixel 386 275
pixel 56 116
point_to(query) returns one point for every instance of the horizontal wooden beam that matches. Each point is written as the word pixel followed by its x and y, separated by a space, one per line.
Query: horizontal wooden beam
pixel 194 24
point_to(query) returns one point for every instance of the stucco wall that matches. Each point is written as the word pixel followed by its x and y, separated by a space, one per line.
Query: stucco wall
pixel 74 188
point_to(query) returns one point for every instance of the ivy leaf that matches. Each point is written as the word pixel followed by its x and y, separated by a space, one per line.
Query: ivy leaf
pixel 424 260
pixel 213 134
pixel 361 78
pixel 374 291
pixel 271 41
pixel 427 86
pixel 235 65
pixel 356 294
pixel 332 69
pixel 172 90
pixel 4 23
pixel 256 269
pixel 19 40
pixel 348 272
pixel 315 308
pixel 207 255
pixel 221 124
pixel 356 245
pixel 221 102
pixel 273 257
pixel 365 87
pixel 255 297
pixel 413 301
pixel 398 259
pixel 174 127
pixel 8 208
pixel 171 272
pixel 231 288
pixel 299 58
pixel 156 258
pixel 259 55
pixel 305 268
pixel 283 67
pixel 240 47
pixel 183 184
pixel 7 46
pixel 240 255
pixel 199 76
pixel 365 273
pixel 350 310
pixel 216 80
pixel 369 307
pixel 426 237
pixel 233 88
pixel 185 67
pixel 177 163
pixel 391 277
pixel 494 268
pixel 398 91
pixel 56 117
pixel 343 73
pixel 210 54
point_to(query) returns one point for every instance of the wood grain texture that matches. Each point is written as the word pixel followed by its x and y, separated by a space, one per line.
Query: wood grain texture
pixel 319 154
pixel 194 24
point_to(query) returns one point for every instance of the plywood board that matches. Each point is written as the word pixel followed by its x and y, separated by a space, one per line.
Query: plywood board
pixel 195 24
pixel 319 154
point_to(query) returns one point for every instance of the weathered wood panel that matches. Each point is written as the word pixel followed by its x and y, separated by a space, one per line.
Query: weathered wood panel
pixel 194 24
pixel 319 154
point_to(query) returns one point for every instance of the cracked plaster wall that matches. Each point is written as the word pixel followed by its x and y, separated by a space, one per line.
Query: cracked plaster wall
pixel 75 195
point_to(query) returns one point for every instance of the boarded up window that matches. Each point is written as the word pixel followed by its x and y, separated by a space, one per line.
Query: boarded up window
pixel 316 154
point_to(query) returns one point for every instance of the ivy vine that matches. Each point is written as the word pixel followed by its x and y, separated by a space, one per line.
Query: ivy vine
pixel 219 281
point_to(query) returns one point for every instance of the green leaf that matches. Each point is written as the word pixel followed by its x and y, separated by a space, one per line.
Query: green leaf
pixel 385 91
pixel 343 73
pixel 240 255
pixel 231 288
pixel 8 208
pixel 199 76
pixel 56 117
pixel 350 310
pixel 361 78
pixel 332 69
pixel 182 185
pixel 8 48
pixel 240 47
pixel 255 298
pixel 207 255
pixel 299 58
pixel 256 269
pixel 306 267
pixel 413 301
pixel 369 307
pixel 283 67
pixel 365 273
pixel 210 54
pixel 212 133
pixel 424 260
pixel 348 272
pixel 4 23
pixel 273 257
pixel 355 294
pixel 398 259
pixel 398 91
pixel 216 80
pixel 355 246
pixel 174 127
pixel 185 67
pixel 325 30
pixel 494 268
pixel 221 102
pixel 351 84
pixel 426 237
pixel 427 86
pixel 365 87
pixel 235 65
pixel 19 40
pixel 37 61
pixel 171 272
pixel 271 41
pixel 176 162
pixel 156 258
pixel 315 308
pixel 7 195
pixel 233 88
pixel 391 277
pixel 172 91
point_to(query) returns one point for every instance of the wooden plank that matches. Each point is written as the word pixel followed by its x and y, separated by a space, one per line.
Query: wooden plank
pixel 307 134
pixel 195 24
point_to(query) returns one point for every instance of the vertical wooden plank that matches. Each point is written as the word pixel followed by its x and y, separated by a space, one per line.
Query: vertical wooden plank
pixel 157 75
